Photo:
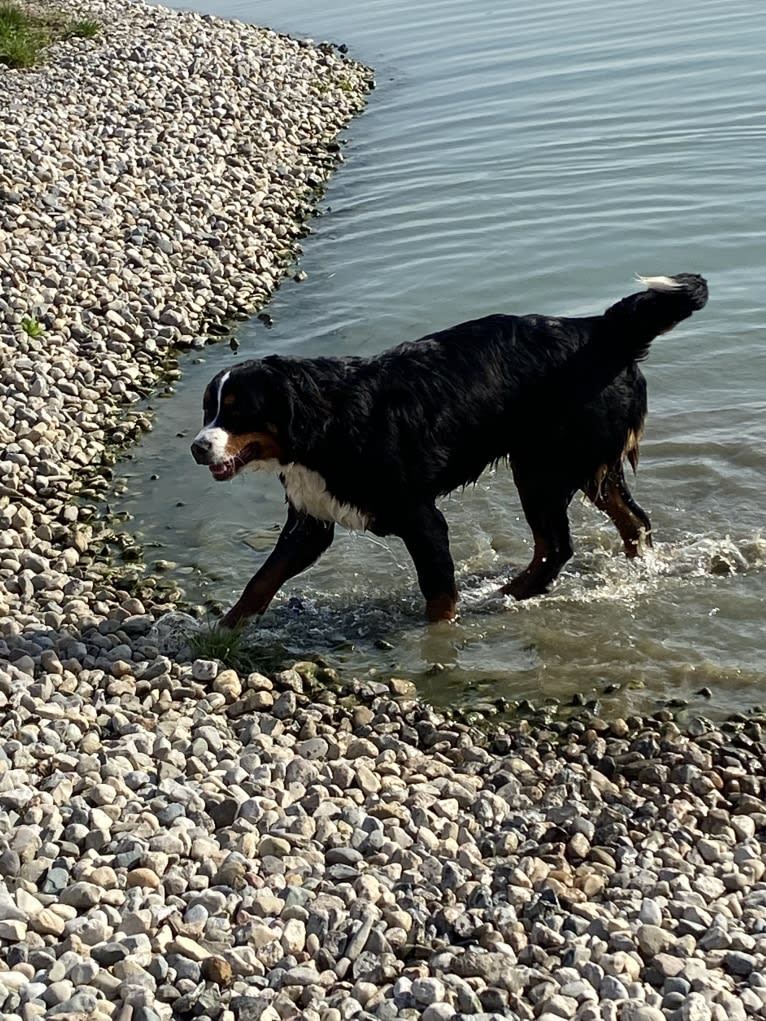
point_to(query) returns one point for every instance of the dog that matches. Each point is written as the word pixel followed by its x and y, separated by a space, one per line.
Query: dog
pixel 372 443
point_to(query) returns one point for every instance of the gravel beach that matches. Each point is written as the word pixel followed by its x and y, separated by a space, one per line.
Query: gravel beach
pixel 179 839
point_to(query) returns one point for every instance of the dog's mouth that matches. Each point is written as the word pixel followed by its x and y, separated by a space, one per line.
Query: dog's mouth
pixel 225 470
pixel 222 471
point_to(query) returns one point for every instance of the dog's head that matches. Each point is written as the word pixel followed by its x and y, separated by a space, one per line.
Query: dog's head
pixel 244 414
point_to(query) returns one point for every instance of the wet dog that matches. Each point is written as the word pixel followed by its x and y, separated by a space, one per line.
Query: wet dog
pixel 371 443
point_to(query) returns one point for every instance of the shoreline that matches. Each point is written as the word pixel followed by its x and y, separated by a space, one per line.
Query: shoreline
pixel 133 223
pixel 180 840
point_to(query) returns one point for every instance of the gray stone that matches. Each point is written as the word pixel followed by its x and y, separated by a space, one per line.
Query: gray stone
pixel 81 1003
pixel 312 748
pixel 491 966
pixel 428 990
pixel 667 965
pixel 13 930
pixel 81 895
pixel 560 1005
pixel 653 940
pixel 650 913
pixel 438 1012
pixel 612 989
pixel 204 670
pixel 10 863
pixel 695 1008
pixel 632 1011
pixel 738 963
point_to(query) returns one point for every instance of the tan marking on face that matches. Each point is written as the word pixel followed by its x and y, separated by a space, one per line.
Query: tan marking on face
pixel 229 399
pixel 269 447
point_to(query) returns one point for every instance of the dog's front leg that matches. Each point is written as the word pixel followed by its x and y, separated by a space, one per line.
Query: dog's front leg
pixel 301 542
pixel 426 537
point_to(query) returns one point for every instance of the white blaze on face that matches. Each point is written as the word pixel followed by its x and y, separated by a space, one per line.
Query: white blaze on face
pixel 212 433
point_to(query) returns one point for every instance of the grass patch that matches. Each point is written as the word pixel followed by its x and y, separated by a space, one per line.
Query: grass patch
pixel 32 327
pixel 26 32
pixel 85 28
pixel 226 645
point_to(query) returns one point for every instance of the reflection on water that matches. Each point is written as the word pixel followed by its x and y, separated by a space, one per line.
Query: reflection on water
pixel 526 157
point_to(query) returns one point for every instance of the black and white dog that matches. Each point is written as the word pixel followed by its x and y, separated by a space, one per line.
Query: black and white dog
pixel 371 443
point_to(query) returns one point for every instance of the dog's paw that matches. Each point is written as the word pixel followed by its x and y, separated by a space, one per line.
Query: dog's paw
pixel 523 588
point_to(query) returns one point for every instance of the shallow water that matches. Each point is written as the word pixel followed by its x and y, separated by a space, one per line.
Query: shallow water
pixel 523 158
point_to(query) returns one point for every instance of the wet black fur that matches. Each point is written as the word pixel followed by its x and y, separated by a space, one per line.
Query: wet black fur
pixel 557 397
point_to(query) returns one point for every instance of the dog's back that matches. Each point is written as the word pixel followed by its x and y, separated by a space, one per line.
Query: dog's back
pixel 523 387
pixel 575 357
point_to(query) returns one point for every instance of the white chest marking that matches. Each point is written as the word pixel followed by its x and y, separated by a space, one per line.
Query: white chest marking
pixel 307 491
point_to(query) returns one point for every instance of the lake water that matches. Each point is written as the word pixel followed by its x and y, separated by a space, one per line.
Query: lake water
pixel 524 157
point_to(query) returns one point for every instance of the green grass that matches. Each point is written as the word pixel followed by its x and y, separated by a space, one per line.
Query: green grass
pixel 224 644
pixel 25 33
pixel 85 28
pixel 32 327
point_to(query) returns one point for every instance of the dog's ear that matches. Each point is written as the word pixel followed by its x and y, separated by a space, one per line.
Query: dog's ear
pixel 309 411
pixel 297 408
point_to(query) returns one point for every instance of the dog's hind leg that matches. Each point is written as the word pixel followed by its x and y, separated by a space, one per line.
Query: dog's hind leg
pixel 613 497
pixel 426 536
pixel 301 542
pixel 546 512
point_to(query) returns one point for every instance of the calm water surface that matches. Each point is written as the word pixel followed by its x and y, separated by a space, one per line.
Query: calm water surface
pixel 524 157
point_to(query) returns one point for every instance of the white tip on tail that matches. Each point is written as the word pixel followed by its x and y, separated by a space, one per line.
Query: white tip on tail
pixel 658 283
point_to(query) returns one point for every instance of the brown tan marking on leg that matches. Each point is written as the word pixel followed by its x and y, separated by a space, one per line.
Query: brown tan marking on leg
pixel 614 498
pixel 441 607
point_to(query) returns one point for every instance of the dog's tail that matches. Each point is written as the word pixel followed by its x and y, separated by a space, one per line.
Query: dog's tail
pixel 624 333
pixel 634 322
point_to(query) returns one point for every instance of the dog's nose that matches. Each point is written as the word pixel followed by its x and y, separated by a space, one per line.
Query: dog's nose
pixel 201 451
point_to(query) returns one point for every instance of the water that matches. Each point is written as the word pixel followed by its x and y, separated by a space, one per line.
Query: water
pixel 525 157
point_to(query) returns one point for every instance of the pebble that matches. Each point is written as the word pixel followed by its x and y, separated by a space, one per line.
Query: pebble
pixel 143 877
pixel 204 670
pixel 439 1012
pixel 427 990
pixel 184 946
pixel 12 930
pixel 653 940
pixel 217 970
